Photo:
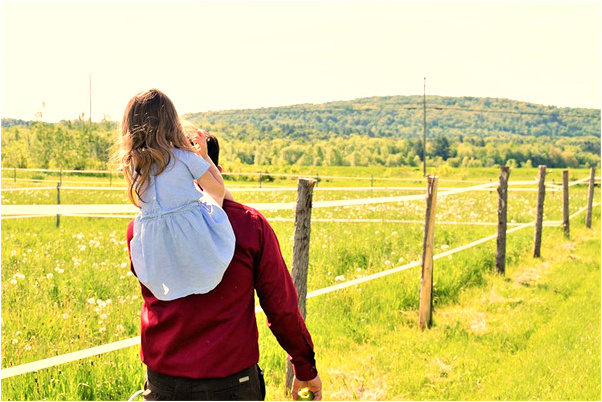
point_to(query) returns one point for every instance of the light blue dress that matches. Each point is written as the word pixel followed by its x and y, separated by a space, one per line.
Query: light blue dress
pixel 183 240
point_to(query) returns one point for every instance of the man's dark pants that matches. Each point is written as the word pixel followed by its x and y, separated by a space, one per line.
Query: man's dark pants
pixel 248 385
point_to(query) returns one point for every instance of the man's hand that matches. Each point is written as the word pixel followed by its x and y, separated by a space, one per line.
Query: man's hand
pixel 314 386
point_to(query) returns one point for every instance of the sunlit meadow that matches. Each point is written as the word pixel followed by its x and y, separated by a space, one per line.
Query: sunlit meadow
pixel 69 288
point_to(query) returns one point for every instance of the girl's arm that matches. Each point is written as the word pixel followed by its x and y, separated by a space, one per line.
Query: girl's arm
pixel 211 181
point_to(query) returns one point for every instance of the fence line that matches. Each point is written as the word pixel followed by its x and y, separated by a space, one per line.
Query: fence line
pixel 69 357
pixel 111 347
pixel 50 209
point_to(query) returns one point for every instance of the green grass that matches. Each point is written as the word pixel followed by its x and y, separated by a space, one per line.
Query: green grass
pixel 67 289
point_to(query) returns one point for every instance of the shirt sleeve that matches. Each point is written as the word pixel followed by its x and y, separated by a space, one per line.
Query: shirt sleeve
pixel 278 298
pixel 195 163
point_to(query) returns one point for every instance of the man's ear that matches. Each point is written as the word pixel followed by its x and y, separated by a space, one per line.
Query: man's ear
pixel 219 168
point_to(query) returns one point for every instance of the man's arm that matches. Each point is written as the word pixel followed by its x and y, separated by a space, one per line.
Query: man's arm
pixel 278 298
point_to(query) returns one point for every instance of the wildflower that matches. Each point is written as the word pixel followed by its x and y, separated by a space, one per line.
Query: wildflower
pixel 387 262
pixel 91 300
pixel 80 236
pixel 108 301
pixel 49 276
pixel 82 248
pixel 324 246
pixel 27 347
pixel 339 278
pixel 60 271
pixel 13 253
pixel 65 316
pixel 15 341
pixel 120 328
pixel 444 247
pixel 18 333
pixel 130 273
pixel 29 250
pixel 124 265
pixel 122 277
pixel 13 281
pixel 101 330
pixel 394 233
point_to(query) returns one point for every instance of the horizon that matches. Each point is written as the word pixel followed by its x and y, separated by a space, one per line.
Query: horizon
pixel 210 56
pixel 333 101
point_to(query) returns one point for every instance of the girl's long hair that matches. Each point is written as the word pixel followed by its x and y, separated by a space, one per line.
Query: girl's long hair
pixel 149 128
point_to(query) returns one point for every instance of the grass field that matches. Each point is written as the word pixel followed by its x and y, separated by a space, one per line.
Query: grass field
pixel 65 289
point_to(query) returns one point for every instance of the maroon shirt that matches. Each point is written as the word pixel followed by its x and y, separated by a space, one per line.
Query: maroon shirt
pixel 214 335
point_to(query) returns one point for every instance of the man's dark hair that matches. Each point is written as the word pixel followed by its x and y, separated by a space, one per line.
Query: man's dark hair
pixel 213 149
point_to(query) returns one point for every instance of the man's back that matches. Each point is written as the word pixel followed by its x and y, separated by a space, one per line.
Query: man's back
pixel 214 335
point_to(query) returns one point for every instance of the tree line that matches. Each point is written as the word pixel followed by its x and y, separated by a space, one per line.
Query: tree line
pixel 387 131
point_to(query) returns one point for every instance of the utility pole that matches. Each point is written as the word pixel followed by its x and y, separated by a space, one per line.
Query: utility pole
pixel 424 130
pixel 90 98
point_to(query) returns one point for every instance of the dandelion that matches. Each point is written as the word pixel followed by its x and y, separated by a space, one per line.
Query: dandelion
pixel 13 281
pixel 103 316
pixel 91 300
pixel 60 271
pixel 80 236
pixel 124 265
pixel 49 276
pixel 82 248
pixel 130 273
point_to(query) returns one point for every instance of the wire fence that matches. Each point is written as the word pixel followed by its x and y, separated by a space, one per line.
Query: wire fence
pixel 117 211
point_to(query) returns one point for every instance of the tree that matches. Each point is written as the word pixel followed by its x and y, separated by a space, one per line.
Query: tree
pixel 441 147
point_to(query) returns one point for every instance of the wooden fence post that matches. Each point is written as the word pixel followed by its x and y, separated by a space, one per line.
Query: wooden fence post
pixel 371 181
pixel 259 180
pixel 58 202
pixel 565 204
pixel 61 176
pixel 110 179
pixel 301 252
pixel 541 195
pixel 590 197
pixel 502 215
pixel 426 278
pixel 15 174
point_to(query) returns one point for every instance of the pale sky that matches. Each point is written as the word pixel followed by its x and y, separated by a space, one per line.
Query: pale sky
pixel 231 55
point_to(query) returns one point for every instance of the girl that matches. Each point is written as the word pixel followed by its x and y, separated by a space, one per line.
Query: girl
pixel 183 241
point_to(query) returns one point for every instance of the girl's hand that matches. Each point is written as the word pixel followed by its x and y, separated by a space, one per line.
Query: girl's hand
pixel 200 140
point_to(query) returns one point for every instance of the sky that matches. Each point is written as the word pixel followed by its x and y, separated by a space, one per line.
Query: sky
pixel 233 55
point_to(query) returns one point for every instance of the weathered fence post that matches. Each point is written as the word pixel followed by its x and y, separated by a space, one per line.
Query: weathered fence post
pixel 502 215
pixel 301 252
pixel 58 202
pixel 259 179
pixel 371 181
pixel 61 176
pixel 426 278
pixel 590 197
pixel 15 174
pixel 541 195
pixel 565 204
pixel 110 179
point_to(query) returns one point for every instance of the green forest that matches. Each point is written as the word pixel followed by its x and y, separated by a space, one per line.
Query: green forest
pixel 385 131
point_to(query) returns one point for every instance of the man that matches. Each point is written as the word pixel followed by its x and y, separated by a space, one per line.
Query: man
pixel 205 346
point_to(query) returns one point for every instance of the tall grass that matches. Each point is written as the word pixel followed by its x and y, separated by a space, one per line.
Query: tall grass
pixel 69 288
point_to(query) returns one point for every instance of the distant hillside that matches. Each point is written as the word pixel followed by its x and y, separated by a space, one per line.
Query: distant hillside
pixel 376 131
pixel 402 117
